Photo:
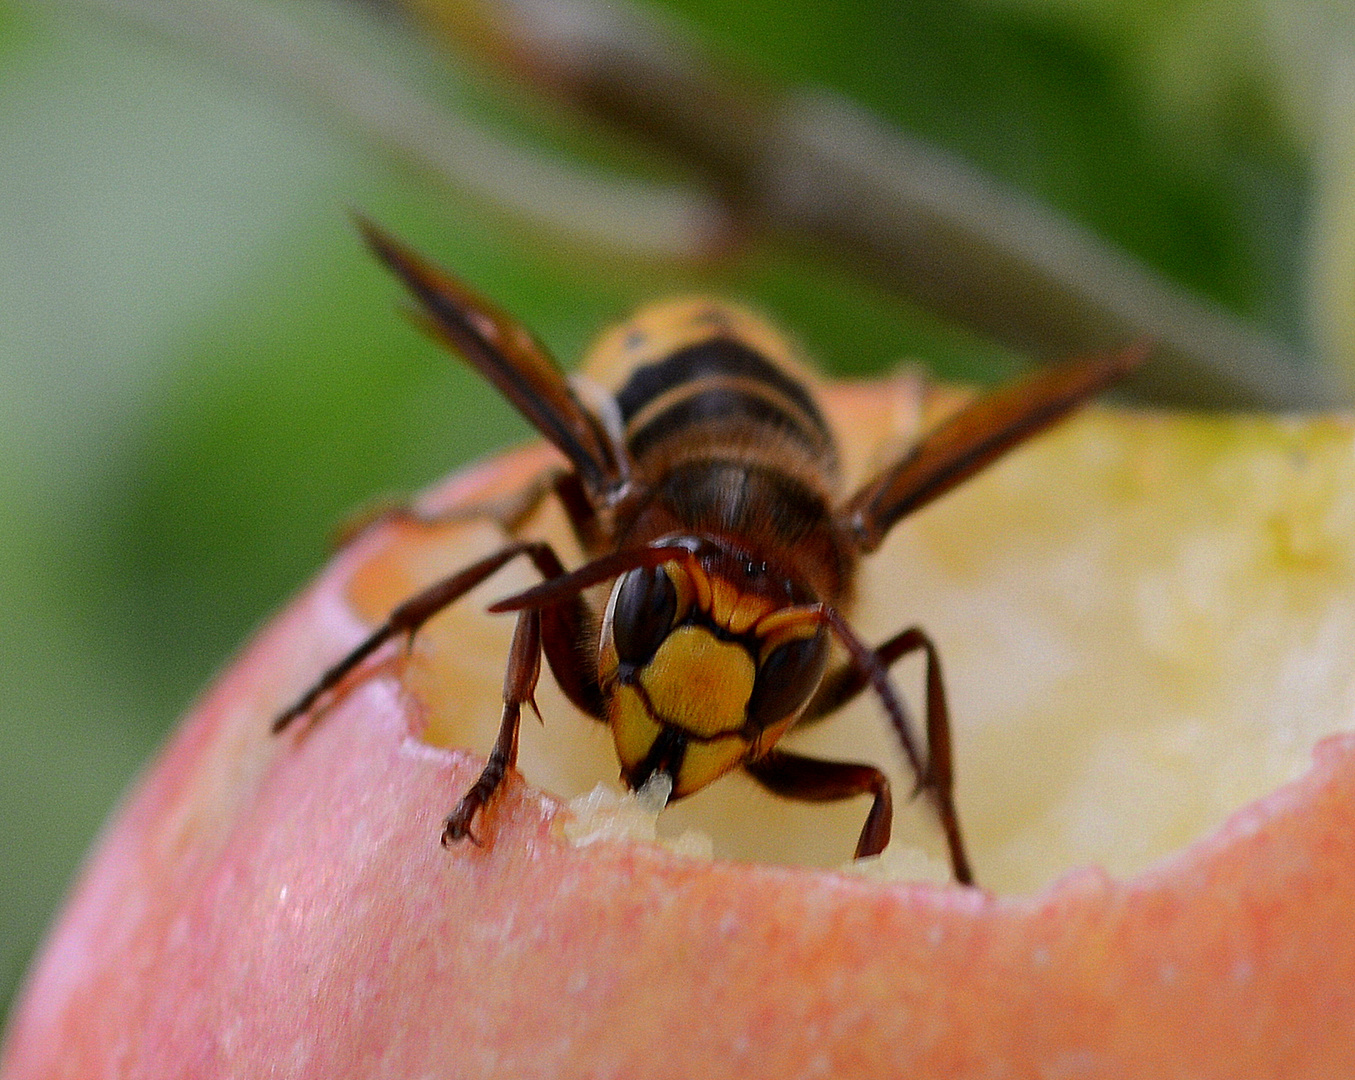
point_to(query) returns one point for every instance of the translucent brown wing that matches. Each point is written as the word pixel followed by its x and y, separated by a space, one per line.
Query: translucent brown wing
pixel 505 353
pixel 977 434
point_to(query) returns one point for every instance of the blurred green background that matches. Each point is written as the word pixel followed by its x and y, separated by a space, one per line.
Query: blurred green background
pixel 201 370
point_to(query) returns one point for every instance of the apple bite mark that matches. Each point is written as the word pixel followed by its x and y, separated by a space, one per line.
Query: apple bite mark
pixel 1138 650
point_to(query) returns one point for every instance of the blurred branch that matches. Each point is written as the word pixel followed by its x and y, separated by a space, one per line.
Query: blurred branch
pixel 805 166
pixel 814 166
pixel 602 209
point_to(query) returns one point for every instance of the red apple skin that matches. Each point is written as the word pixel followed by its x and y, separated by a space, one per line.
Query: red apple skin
pixel 281 907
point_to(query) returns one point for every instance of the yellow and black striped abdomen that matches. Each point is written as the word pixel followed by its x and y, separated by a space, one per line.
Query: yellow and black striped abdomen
pixel 699 375
pixel 722 394
pixel 727 439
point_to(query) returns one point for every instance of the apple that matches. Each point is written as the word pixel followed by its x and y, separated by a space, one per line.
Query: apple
pixel 1148 627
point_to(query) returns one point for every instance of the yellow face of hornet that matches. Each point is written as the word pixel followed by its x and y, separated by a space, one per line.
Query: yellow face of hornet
pixel 702 674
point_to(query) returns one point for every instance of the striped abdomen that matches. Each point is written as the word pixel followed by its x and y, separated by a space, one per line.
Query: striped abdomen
pixel 728 444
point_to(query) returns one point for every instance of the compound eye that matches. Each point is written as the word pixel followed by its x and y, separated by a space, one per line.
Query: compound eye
pixel 786 679
pixel 645 605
